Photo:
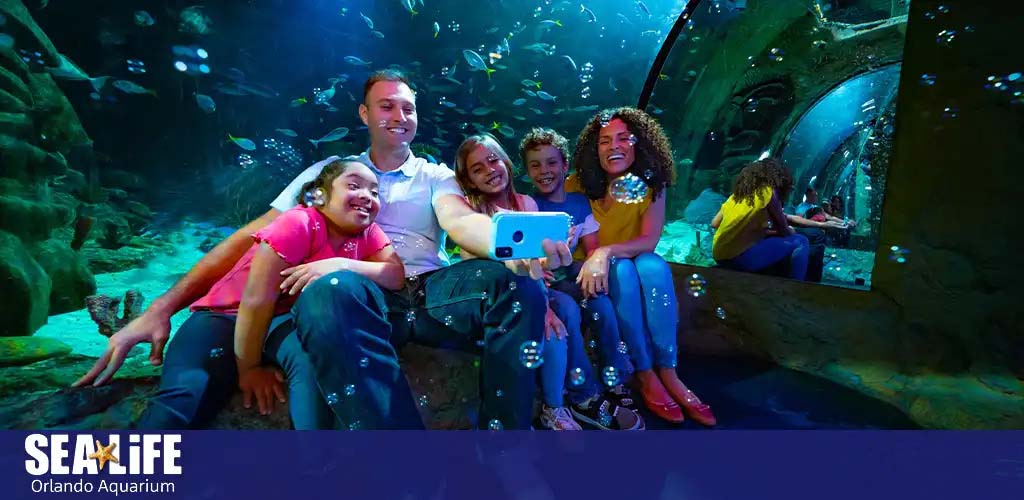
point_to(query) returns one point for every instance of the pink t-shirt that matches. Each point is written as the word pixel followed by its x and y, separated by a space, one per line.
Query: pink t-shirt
pixel 299 236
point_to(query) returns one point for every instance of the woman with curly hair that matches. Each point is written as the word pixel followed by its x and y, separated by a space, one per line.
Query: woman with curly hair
pixel 744 240
pixel 628 144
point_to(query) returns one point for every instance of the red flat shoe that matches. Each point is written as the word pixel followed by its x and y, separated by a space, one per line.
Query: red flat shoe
pixel 698 410
pixel 668 411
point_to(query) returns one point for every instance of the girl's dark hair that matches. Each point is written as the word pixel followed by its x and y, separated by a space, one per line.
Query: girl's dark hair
pixel 323 181
pixel 653 153
pixel 756 175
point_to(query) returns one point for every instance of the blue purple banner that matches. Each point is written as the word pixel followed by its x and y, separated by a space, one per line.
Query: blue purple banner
pixel 527 465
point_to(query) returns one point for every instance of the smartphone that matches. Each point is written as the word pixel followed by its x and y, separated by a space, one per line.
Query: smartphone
pixel 518 235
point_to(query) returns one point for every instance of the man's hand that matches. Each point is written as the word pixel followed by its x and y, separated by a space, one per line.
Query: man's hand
pixel 299 277
pixel 151 327
pixel 556 255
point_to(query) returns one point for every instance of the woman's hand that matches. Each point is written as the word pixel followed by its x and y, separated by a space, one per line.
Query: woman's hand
pixel 263 384
pixel 593 277
pixel 553 326
pixel 299 277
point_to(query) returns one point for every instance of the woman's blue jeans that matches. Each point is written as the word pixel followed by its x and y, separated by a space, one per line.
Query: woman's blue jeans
pixel 644 297
pixel 772 250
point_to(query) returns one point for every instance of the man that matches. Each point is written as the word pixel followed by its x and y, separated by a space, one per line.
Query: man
pixel 349 328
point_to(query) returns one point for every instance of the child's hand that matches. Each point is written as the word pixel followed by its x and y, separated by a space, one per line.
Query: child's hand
pixel 549 278
pixel 299 277
pixel 553 326
pixel 593 277
pixel 263 384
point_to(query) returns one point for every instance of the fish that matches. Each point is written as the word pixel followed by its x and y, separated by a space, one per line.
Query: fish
pixel 331 109
pixel 369 22
pixel 623 19
pixel 409 6
pixel 377 34
pixel 492 30
pixel 129 87
pixel 143 19
pixel 287 132
pixel 334 135
pixel 546 96
pixel 476 62
pixel 591 17
pixel 506 131
pixel 206 103
pixel 67 70
pixel 656 110
pixel 642 7
pixel 519 117
pixel 194 21
pixel 519 102
pixel 663 77
pixel 355 61
pixel 325 96
pixel 437 29
pixel 530 93
pixel 592 107
pixel 298 102
pixel 243 143
pixel 448 104
pixel 535 110
pixel 548 24
pixel 482 111
pixel 571 63
pixel 530 83
pixel 542 48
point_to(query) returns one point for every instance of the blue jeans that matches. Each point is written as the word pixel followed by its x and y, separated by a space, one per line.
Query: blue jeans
pixel 598 316
pixel 563 356
pixel 351 330
pixel 644 297
pixel 200 376
pixel 773 250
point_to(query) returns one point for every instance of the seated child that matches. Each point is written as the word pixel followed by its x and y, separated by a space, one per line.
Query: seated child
pixel 334 224
pixel 484 171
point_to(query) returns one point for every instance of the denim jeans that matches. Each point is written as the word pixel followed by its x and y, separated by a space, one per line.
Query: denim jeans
pixel 772 250
pixel 562 357
pixel 199 375
pixel 352 330
pixel 598 316
pixel 644 297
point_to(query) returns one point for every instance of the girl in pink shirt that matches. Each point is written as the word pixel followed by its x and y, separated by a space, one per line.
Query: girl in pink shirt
pixel 333 226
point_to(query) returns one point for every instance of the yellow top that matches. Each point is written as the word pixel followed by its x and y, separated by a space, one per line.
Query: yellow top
pixel 742 225
pixel 620 223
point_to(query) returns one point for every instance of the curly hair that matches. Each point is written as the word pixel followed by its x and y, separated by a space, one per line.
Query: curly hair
pixel 323 181
pixel 758 174
pixel 653 153
pixel 481 202
pixel 538 137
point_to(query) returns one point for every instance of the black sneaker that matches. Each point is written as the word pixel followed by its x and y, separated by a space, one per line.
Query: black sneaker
pixel 601 412
pixel 621 396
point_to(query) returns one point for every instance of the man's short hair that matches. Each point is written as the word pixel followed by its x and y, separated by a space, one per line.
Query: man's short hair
pixel 384 75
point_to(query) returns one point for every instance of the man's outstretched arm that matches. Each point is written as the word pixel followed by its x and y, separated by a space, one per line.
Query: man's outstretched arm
pixel 154 324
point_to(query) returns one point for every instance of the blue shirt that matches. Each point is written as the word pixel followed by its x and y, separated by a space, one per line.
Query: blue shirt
pixel 407 198
pixel 578 207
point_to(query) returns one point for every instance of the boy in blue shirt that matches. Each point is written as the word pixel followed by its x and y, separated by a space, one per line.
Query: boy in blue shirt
pixel 545 157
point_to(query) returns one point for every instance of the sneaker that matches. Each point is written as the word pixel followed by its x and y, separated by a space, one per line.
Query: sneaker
pixel 621 396
pixel 601 412
pixel 558 419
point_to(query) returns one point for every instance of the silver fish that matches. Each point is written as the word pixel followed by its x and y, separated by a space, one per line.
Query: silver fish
pixel 334 135
pixel 369 22
pixel 206 103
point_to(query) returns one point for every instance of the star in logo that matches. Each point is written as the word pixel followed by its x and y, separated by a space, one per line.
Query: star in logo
pixel 103 453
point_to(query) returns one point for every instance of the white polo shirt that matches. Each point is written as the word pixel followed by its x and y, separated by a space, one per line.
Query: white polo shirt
pixel 407 198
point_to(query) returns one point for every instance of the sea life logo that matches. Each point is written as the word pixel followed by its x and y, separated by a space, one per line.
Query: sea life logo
pixel 96 463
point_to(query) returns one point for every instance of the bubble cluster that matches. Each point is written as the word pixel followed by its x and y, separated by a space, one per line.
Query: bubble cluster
pixel 410 316
pixel 596 316
pixel 495 425
pixel 623 348
pixel 424 401
pixel 775 54
pixel 517 307
pixel 586 72
pixel 530 354
pixel 927 79
pixel 332 398
pixel 282 157
pixel 950 112
pixel 448 320
pixel 898 254
pixel 136 66
pixel 629 189
pixel 719 312
pixel 577 377
pixel 1009 84
pixel 585 93
pixel 364 362
pixel 216 352
pixel 605 117
pixel 697 285
pixel 946 37
pixel 350 389
pixel 454 26
pixel 245 161
pixel 610 376
pixel 592 344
